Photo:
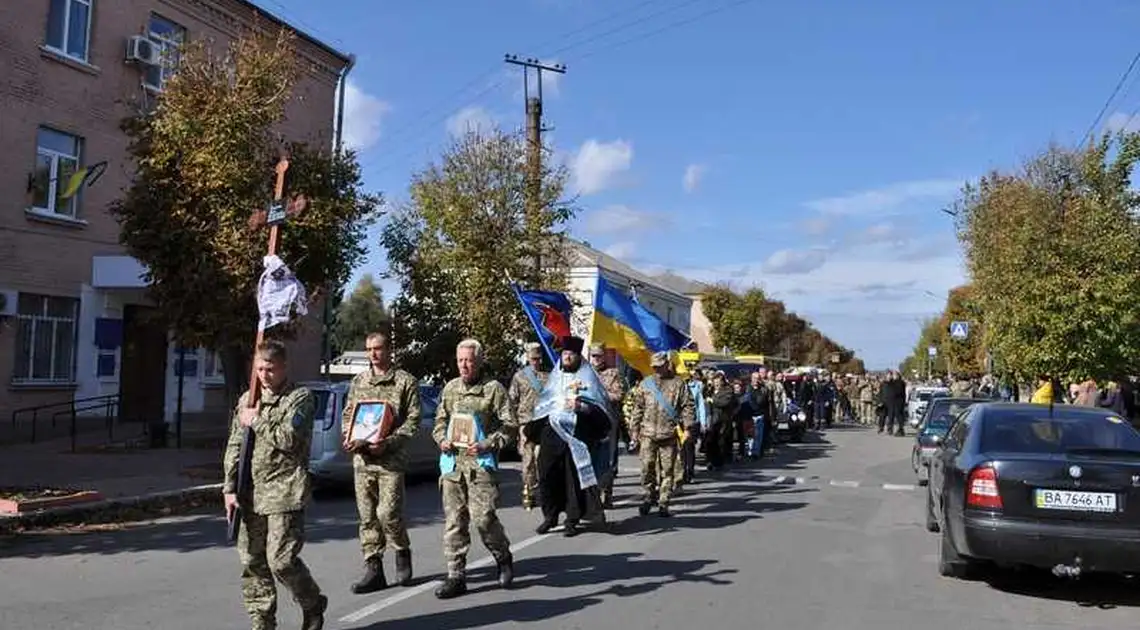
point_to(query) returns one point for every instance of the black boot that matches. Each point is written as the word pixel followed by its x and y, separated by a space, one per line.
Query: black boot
pixel 506 571
pixel 314 618
pixel 452 587
pixel 644 508
pixel 571 529
pixel 404 567
pixel 546 525
pixel 373 579
pixel 663 511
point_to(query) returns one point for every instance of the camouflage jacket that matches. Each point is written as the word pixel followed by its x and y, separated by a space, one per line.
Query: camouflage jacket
pixel 615 387
pixel 402 392
pixel 522 394
pixel 487 398
pixel 649 420
pixel 280 465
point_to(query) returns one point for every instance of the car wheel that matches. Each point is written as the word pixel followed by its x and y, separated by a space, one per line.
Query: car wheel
pixel 914 461
pixel 931 522
pixel 950 564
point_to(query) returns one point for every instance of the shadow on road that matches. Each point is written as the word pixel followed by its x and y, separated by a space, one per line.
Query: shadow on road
pixel 1101 591
pixel 333 517
pixel 789 456
pixel 626 575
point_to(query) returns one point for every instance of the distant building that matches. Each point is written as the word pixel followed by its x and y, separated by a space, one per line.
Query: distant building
pixel 700 329
pixel 587 264
pixel 74 317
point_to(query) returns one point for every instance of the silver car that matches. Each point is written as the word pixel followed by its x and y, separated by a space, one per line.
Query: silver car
pixel 331 466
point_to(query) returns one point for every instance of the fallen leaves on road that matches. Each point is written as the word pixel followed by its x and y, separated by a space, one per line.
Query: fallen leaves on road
pixel 28 493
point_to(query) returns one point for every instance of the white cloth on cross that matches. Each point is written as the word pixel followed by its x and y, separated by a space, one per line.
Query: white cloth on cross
pixel 280 295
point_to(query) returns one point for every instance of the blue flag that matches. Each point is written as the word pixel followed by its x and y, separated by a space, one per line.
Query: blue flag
pixel 549 313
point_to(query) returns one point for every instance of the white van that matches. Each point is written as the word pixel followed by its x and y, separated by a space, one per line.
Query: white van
pixel 331 466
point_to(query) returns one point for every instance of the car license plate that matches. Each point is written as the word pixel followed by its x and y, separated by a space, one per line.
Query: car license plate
pixel 1075 501
pixel 782 425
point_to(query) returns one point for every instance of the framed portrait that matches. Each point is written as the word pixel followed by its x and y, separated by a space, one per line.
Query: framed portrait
pixel 462 430
pixel 372 421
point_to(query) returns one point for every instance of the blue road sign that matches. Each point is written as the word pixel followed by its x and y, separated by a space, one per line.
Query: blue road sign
pixel 959 330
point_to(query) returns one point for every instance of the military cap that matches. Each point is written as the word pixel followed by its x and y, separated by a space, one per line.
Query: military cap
pixel 597 350
pixel 534 350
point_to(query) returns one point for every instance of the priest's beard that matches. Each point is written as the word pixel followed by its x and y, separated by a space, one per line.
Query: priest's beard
pixel 572 365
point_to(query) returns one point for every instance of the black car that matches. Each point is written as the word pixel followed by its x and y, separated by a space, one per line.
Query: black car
pixel 1037 485
pixel 932 429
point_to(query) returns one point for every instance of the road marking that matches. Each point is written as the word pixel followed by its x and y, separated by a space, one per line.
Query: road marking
pixel 898 486
pixel 844 484
pixel 388 602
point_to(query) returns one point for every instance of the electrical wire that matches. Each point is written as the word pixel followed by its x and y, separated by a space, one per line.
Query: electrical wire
pixel 1111 97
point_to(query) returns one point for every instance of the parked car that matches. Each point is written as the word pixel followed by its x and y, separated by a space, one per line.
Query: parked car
pixel 932 429
pixel 330 465
pixel 1046 486
pixel 918 398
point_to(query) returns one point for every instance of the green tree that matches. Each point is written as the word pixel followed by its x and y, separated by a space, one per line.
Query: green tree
pixel 963 356
pixel 204 160
pixel 747 323
pixel 360 315
pixel 1052 252
pixel 466 230
pixel 934 333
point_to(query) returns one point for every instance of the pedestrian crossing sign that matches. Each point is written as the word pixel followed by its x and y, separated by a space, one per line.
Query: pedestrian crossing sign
pixel 959 330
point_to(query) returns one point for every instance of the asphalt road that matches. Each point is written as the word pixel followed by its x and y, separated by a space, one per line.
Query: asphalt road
pixel 827 535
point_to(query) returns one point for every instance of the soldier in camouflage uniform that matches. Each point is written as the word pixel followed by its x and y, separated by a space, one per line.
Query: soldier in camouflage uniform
pixel 378 469
pixel 661 403
pixel 272 530
pixel 526 387
pixel 468 477
pixel 615 393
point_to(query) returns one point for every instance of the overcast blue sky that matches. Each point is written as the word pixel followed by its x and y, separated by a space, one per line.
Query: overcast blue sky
pixel 803 147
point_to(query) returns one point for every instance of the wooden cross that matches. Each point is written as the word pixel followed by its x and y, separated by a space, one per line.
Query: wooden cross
pixel 257 220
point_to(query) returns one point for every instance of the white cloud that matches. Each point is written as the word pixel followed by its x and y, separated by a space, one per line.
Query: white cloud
pixel 795 261
pixel 1120 121
pixel 622 250
pixel 864 298
pixel 363 114
pixel 597 166
pixel 621 219
pixel 692 177
pixel 473 118
pixel 889 198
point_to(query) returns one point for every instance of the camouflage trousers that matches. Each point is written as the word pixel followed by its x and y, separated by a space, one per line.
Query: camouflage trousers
pixel 528 451
pixel 867 412
pixel 471 496
pixel 380 504
pixel 269 547
pixel 658 469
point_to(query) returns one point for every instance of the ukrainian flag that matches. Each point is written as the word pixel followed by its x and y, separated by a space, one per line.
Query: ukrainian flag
pixel 632 330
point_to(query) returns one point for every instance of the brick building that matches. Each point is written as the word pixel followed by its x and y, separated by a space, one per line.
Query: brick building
pixel 73 319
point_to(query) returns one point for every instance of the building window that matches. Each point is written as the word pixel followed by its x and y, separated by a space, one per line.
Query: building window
pixel 212 366
pixel 57 158
pixel 46 340
pixel 69 27
pixel 168 38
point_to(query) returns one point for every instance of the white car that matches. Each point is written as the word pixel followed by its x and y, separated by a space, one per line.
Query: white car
pixel 918 398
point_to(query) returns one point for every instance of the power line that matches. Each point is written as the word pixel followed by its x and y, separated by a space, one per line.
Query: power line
pixel 626 26
pixel 1111 97
pixel 696 18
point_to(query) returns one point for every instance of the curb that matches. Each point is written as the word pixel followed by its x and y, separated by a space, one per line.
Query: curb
pixel 107 510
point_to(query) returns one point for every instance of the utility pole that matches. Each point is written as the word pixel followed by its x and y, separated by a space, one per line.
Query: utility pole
pixel 534 131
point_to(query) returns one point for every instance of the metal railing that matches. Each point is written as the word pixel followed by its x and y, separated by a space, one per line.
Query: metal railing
pixel 109 404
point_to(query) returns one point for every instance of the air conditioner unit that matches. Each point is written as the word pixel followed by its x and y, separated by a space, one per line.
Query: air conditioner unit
pixel 8 300
pixel 141 49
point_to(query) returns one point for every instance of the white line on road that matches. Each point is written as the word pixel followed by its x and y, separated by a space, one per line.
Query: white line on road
pixel 388 602
pixel 898 486
pixel 845 484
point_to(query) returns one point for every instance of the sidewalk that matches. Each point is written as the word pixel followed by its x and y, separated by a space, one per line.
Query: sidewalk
pixel 123 473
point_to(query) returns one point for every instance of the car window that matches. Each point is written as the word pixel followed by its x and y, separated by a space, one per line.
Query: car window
pixel 1034 431
pixel 959 429
pixel 322 418
pixel 924 396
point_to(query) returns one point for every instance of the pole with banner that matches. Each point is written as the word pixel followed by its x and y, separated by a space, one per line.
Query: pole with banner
pixel 276 214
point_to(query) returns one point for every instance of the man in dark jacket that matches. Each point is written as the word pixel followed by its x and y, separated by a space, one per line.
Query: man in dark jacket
pixel 893 396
